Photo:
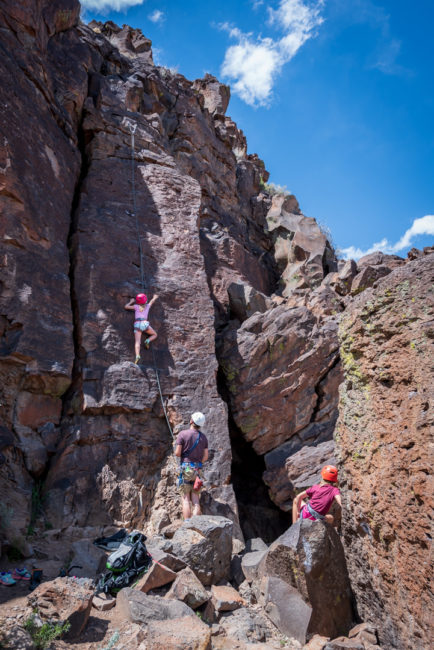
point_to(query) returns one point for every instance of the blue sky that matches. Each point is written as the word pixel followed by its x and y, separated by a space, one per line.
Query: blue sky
pixel 336 96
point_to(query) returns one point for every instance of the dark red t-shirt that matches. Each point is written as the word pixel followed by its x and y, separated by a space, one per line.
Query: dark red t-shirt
pixel 321 497
pixel 186 439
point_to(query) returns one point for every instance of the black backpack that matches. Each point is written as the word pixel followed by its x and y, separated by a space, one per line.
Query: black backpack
pixel 125 565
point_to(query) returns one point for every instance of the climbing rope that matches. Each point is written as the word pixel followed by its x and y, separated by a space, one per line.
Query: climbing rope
pixel 132 127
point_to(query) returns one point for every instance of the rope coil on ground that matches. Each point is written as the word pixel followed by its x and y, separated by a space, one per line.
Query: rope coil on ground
pixel 132 127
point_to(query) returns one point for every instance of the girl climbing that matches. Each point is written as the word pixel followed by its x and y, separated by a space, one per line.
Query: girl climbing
pixel 141 323
pixel 321 498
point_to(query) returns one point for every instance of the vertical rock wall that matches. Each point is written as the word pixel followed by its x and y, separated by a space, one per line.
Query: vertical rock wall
pixel 78 416
pixel 384 437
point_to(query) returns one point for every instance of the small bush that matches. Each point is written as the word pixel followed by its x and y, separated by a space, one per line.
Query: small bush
pixel 43 636
pixel 273 189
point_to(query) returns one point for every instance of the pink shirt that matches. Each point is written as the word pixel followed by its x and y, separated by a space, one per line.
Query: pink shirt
pixel 321 497
pixel 139 314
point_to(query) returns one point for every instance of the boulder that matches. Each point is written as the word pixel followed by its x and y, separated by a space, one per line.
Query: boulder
pixel 103 602
pixel 293 465
pixel 189 589
pixel 15 636
pixel 304 467
pixel 248 625
pixel 255 544
pixel 157 576
pixel 215 94
pixel 226 598
pixel 285 606
pixel 381 440
pixel 244 301
pixel 158 554
pixel 345 277
pixel 367 277
pixel 309 556
pixel 185 633
pixel 64 599
pixel 301 249
pixel 88 560
pixel 380 259
pixel 250 563
pixel 317 642
pixel 273 364
pixel 343 643
pixel 141 608
pixel 204 543
pixel 364 632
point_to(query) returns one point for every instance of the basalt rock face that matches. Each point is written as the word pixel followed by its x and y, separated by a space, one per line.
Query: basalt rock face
pixel 382 437
pixel 76 411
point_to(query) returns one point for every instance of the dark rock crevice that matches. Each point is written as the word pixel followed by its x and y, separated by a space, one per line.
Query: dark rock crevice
pixel 71 396
pixel 258 515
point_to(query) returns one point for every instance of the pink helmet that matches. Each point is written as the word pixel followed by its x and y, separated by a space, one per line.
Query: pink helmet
pixel 141 298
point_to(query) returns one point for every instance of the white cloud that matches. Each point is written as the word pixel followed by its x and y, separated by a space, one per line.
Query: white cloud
pixel 103 6
pixel 422 226
pixel 156 16
pixel 253 64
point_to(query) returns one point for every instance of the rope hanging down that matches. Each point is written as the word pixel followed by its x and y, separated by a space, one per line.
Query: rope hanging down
pixel 132 127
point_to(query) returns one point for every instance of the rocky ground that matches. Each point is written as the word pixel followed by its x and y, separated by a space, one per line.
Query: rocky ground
pixel 197 594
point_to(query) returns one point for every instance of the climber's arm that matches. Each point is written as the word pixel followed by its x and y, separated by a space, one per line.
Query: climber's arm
pixel 299 498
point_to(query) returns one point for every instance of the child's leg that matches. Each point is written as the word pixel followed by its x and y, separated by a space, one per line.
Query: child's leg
pixel 329 519
pixel 137 340
pixel 152 334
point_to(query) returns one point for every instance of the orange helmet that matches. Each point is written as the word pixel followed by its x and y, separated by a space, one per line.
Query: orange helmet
pixel 329 473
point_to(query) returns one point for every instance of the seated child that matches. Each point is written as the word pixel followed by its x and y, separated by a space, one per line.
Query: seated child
pixel 321 498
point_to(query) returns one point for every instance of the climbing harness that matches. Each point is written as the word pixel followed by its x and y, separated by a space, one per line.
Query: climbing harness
pixel 132 128
pixel 314 513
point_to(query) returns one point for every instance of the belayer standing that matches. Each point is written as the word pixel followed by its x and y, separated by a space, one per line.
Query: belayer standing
pixel 321 498
pixel 191 447
pixel 141 323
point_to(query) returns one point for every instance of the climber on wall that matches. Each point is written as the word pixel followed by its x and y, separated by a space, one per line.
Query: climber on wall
pixel 321 498
pixel 191 447
pixel 141 323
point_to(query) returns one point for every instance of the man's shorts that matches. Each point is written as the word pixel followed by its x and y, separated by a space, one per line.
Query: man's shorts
pixel 188 477
pixel 141 325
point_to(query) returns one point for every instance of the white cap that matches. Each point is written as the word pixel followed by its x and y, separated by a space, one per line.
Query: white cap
pixel 198 418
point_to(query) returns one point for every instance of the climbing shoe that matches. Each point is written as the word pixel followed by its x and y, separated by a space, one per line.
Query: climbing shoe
pixel 147 341
pixel 6 578
pixel 137 359
pixel 21 574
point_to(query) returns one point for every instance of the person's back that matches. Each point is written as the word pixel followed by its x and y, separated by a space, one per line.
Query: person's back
pixel 192 451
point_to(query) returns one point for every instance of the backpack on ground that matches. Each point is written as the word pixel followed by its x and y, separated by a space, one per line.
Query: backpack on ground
pixel 128 563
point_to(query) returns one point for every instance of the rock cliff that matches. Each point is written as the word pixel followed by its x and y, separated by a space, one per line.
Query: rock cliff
pixel 117 175
pixel 383 436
